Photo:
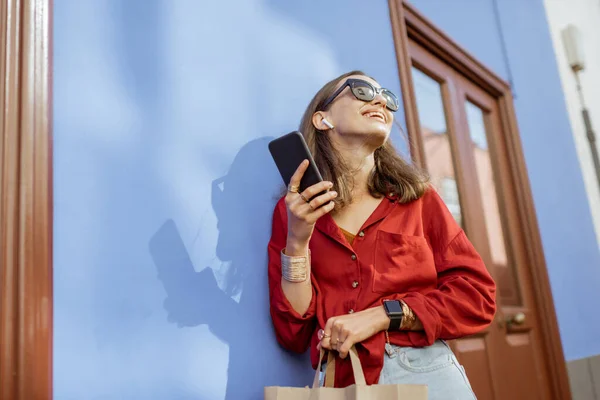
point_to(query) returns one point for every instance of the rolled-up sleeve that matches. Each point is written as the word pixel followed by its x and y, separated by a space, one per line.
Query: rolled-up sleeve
pixel 464 301
pixel 293 331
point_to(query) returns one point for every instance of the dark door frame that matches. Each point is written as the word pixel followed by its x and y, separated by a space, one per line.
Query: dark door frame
pixel 409 24
pixel 25 200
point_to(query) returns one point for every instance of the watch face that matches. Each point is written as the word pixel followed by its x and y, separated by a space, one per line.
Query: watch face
pixel 393 307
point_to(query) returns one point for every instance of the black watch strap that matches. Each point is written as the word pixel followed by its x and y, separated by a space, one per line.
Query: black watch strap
pixel 395 323
pixel 393 309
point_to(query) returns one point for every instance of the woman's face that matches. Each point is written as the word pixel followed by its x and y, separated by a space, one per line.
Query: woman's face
pixel 352 117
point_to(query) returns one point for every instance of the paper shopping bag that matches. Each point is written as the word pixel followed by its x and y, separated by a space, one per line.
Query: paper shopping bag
pixel 359 391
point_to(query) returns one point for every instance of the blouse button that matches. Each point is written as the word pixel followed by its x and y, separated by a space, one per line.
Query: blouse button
pixel 355 284
pixel 353 257
pixel 361 234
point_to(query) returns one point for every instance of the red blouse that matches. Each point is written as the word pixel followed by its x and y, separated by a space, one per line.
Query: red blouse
pixel 415 252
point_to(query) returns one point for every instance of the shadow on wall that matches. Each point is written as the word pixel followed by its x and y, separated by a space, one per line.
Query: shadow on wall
pixel 145 170
pixel 243 201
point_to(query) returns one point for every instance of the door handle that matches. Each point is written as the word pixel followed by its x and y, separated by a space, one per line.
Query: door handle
pixel 512 321
pixel 517 319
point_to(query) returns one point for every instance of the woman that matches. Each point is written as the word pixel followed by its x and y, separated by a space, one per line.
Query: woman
pixel 377 261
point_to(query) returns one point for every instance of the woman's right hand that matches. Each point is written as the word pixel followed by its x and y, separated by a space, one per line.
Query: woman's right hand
pixel 303 215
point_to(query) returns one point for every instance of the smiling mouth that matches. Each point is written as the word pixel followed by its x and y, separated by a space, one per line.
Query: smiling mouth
pixel 376 115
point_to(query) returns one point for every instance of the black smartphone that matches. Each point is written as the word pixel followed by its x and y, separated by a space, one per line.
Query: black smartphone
pixel 288 152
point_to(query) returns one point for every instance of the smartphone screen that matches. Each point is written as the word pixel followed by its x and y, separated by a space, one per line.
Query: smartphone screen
pixel 288 152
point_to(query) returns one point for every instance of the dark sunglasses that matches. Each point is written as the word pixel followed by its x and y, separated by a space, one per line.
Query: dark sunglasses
pixel 365 91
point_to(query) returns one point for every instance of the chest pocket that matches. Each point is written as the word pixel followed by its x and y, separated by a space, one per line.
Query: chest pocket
pixel 402 263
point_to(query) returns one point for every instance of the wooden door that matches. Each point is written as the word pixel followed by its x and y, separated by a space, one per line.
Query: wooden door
pixel 25 200
pixel 461 145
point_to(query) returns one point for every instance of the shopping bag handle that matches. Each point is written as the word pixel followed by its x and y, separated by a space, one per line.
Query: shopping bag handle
pixel 357 370
pixel 330 359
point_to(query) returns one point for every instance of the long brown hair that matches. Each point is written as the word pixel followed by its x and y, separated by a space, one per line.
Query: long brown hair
pixel 391 173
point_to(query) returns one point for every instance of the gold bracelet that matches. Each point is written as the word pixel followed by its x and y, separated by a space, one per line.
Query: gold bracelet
pixel 408 318
pixel 294 269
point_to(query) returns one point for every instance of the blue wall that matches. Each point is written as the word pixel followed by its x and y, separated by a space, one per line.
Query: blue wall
pixel 164 187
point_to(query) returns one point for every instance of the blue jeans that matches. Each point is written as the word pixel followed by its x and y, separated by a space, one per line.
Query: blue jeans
pixel 435 366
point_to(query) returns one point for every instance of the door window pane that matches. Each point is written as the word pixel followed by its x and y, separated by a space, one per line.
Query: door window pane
pixel 436 141
pixel 507 287
pixel 449 192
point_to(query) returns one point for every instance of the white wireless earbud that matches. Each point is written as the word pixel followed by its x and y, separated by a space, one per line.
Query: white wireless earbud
pixel 329 124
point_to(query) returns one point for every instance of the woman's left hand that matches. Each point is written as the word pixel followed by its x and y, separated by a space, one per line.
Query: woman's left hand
pixel 342 332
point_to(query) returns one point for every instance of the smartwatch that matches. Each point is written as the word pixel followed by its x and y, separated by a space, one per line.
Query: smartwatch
pixel 393 309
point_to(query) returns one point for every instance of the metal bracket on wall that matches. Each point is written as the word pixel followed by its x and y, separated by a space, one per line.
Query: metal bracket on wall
pixel 589 131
